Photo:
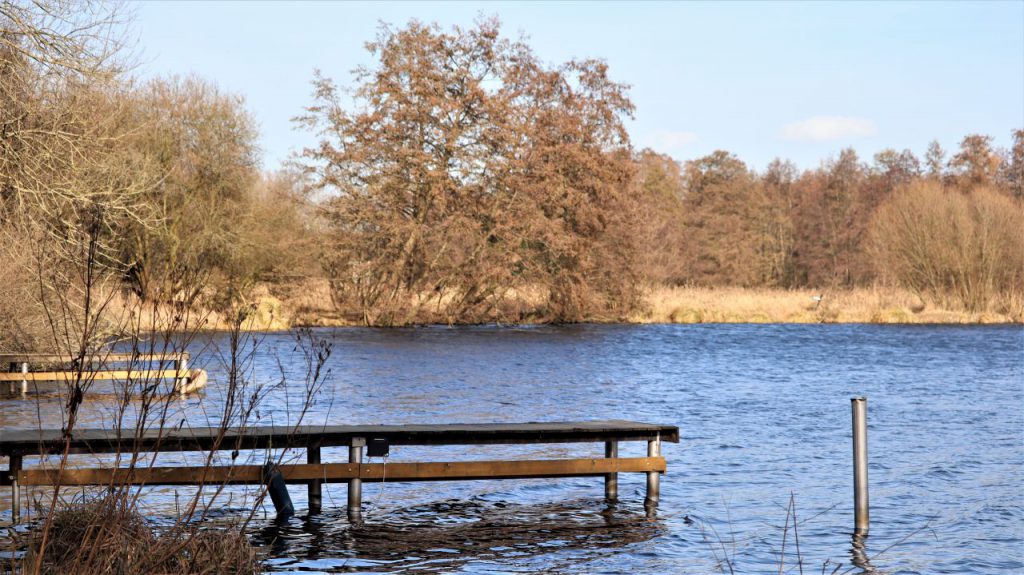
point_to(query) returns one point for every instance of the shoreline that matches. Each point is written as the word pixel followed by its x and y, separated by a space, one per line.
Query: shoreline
pixel 280 308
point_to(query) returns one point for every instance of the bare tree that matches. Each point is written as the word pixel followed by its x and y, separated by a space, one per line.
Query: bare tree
pixel 958 249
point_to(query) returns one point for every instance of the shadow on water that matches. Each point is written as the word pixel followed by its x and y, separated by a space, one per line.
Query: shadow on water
pixel 449 535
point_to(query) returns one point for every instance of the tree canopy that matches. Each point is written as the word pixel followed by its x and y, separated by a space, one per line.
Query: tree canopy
pixel 465 169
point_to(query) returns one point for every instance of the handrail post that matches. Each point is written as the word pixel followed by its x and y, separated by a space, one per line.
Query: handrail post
pixel 611 480
pixel 861 514
pixel 653 478
pixel 24 382
pixel 314 489
pixel 355 485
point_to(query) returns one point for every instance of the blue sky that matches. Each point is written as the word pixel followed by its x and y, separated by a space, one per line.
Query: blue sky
pixel 762 80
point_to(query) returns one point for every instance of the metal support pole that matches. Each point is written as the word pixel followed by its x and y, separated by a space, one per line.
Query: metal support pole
pixel 861 516
pixel 24 382
pixel 181 373
pixel 653 478
pixel 611 480
pixel 13 467
pixel 315 499
pixel 355 486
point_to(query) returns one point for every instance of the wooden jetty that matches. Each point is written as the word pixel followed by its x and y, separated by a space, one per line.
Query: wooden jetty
pixel 17 444
pixel 185 380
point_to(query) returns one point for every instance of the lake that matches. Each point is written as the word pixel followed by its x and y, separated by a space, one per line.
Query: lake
pixel 764 416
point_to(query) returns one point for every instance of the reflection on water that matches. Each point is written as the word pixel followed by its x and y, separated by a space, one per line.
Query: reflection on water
pixel 859 553
pixel 763 412
pixel 455 535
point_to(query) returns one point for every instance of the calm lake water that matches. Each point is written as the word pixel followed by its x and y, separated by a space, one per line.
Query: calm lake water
pixel 764 414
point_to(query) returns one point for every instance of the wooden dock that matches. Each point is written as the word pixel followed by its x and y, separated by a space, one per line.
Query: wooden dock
pixel 185 380
pixel 18 444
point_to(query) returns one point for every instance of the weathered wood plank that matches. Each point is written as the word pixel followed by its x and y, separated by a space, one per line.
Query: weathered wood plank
pixel 338 472
pixel 34 441
pixel 103 375
pixel 98 357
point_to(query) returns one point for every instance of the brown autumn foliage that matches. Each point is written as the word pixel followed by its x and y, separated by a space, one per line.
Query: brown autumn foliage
pixel 824 228
pixel 466 171
pixel 463 181
pixel 660 191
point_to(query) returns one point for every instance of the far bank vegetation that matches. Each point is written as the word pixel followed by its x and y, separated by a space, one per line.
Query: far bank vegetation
pixel 465 181
pixel 462 179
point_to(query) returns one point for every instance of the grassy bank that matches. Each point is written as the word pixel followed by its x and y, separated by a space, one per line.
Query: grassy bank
pixel 309 303
pixel 760 305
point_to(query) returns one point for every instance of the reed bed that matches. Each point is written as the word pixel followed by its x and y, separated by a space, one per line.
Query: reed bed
pixel 108 535
pixel 882 305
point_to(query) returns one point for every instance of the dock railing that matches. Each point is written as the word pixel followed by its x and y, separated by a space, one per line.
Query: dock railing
pixel 184 380
pixel 18 444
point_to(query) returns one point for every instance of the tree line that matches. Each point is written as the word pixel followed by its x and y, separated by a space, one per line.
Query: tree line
pixel 463 175
pixel 844 223
pixel 459 178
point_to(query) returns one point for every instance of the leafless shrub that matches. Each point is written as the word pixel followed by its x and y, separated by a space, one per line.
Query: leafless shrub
pixel 963 249
pixel 75 289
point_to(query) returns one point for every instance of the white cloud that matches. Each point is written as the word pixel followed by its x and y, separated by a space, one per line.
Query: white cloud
pixel 669 141
pixel 822 128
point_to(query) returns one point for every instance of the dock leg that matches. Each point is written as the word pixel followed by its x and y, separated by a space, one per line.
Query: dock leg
pixel 313 456
pixel 355 486
pixel 611 480
pixel 653 479
pixel 181 369
pixel 13 467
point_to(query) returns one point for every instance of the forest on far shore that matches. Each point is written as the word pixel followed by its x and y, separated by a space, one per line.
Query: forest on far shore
pixel 459 179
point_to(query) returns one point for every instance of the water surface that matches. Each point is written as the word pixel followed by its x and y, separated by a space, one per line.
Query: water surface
pixel 764 416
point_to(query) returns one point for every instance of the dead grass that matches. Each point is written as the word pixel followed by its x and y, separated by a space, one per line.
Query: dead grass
pixel 105 536
pixel 762 305
pixel 308 302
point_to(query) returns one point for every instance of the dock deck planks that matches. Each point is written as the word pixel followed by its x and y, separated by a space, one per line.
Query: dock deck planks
pixel 99 357
pixel 17 444
pixel 35 441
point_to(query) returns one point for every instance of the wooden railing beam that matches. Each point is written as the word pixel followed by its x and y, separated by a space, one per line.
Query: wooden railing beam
pixel 344 472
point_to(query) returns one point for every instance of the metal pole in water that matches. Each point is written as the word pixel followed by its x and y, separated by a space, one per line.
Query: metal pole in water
pixel 611 480
pixel 355 486
pixel 861 515
pixel 13 467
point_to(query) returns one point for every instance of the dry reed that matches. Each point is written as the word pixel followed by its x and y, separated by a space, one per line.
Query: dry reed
pixel 766 305
pixel 123 542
